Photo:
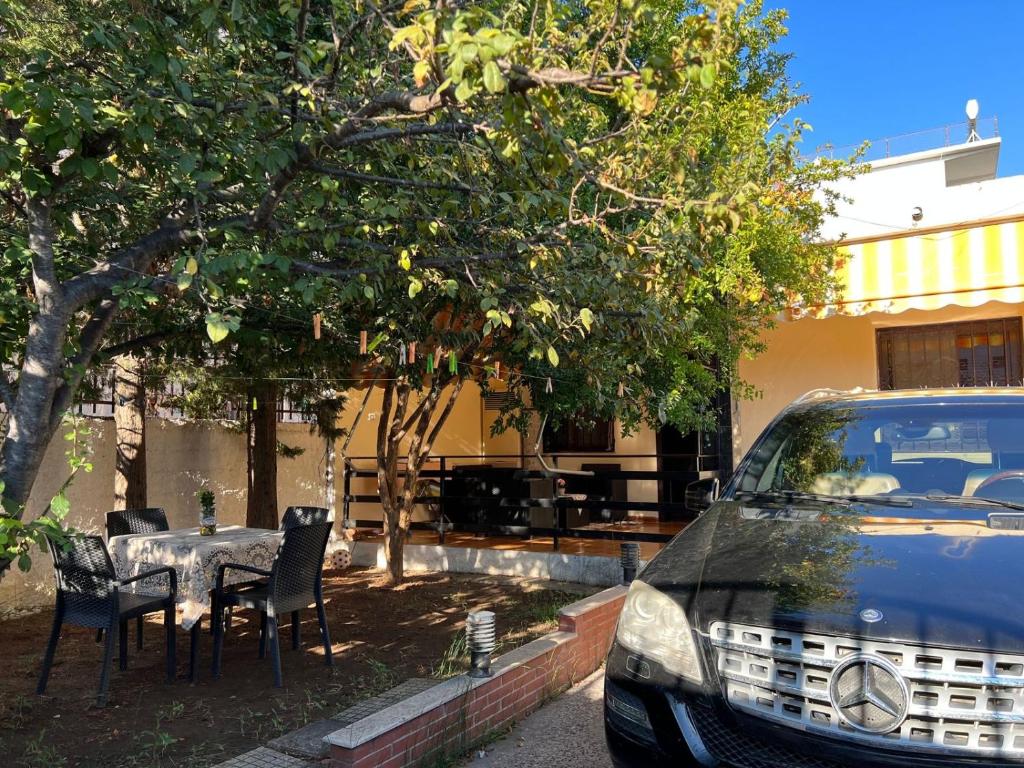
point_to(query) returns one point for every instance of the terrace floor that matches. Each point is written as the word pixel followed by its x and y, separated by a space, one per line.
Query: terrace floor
pixel 566 545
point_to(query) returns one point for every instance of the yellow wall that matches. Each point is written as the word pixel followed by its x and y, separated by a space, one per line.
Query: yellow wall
pixel 836 352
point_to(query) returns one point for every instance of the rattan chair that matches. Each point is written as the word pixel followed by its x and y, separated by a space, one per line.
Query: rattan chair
pixel 294 581
pixel 125 522
pixel 89 595
pixel 303 516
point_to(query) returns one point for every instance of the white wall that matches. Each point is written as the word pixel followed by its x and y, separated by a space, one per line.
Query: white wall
pixel 881 202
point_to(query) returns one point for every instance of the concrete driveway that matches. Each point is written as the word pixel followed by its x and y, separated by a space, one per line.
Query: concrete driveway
pixel 568 732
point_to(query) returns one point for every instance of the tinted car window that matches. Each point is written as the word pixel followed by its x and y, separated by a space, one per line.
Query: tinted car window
pixel 873 449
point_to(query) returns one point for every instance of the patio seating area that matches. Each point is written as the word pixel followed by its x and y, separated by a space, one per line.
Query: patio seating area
pixel 380 636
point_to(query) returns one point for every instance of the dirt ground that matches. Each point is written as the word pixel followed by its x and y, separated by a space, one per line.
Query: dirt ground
pixel 380 637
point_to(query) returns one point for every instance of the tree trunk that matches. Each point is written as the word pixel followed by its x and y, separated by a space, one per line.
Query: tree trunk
pixel 261 509
pixel 32 422
pixel 130 426
pixel 397 503
pixel 330 492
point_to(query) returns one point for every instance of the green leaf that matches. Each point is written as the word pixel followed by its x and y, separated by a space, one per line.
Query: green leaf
pixel 465 91
pixel 191 266
pixel 217 327
pixel 415 286
pixel 24 562
pixel 184 281
pixel 552 356
pixel 60 506
pixel 494 81
pixel 707 75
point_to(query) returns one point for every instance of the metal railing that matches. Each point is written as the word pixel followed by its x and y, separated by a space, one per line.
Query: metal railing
pixel 915 141
pixel 487 510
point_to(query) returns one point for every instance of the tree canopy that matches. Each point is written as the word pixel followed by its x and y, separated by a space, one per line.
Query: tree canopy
pixel 603 193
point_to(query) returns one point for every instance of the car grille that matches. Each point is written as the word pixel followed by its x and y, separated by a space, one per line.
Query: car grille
pixel 961 702
pixel 739 749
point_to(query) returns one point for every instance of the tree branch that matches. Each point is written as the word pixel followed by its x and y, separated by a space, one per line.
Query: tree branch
pixel 341 173
pixel 89 341
pixel 40 242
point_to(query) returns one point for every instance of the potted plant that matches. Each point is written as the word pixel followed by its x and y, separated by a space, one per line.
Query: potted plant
pixel 207 512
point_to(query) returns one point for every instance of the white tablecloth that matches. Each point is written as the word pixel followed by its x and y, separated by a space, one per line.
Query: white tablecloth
pixel 196 558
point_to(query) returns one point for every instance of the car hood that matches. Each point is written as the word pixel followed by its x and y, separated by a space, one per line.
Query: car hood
pixel 939 582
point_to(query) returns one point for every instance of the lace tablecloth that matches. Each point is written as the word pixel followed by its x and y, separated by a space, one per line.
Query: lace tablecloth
pixel 196 558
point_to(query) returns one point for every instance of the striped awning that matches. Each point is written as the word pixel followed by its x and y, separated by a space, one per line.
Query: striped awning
pixel 964 267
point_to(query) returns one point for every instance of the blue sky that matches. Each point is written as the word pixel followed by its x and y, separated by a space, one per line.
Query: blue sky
pixel 878 68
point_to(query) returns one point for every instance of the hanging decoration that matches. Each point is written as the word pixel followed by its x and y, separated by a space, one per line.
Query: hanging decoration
pixel 316 326
pixel 453 363
pixel 412 352
pixel 430 362
pixel 255 405
pixel 622 389
pixel 362 342
pixel 401 355
pixel 547 387
pixel 497 369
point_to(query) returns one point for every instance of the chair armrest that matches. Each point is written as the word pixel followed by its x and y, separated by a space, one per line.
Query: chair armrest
pixel 172 574
pixel 238 567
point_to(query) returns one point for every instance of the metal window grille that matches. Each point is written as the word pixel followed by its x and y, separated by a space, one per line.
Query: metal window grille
pixel 982 353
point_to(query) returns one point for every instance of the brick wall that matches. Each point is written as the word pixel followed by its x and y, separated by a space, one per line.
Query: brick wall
pixel 452 716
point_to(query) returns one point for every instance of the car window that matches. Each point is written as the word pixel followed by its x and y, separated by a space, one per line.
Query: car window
pixel 893 449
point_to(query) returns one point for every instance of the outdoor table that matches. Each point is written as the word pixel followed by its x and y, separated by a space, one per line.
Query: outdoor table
pixel 196 559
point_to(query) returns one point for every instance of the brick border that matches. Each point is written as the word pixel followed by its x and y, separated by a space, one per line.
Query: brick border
pixel 453 715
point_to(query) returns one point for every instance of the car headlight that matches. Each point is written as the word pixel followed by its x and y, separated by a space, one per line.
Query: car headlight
pixel 655 626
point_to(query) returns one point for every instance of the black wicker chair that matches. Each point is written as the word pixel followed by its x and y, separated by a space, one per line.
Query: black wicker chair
pixel 89 595
pixel 293 583
pixel 303 516
pixel 124 522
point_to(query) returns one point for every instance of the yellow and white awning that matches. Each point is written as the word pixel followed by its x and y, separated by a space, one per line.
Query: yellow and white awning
pixel 965 267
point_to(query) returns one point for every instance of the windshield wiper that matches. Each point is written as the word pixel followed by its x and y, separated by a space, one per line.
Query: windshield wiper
pixel 980 500
pixel 790 496
pixel 882 501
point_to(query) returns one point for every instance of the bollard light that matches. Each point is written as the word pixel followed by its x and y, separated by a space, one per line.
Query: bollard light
pixel 480 639
pixel 629 556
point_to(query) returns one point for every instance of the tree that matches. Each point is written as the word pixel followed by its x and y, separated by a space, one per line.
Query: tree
pixel 662 273
pixel 198 144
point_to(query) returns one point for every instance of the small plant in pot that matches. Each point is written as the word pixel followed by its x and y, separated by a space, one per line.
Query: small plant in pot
pixel 207 512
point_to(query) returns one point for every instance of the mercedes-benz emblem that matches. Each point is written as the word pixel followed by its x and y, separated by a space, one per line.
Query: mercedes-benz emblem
pixel 871 615
pixel 869 693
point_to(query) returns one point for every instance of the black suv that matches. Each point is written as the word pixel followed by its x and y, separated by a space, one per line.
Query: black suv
pixel 853 598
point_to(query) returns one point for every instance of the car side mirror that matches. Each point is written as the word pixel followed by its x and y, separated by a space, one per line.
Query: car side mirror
pixel 701 494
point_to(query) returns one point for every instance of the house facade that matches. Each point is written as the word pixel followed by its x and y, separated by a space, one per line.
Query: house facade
pixel 932 287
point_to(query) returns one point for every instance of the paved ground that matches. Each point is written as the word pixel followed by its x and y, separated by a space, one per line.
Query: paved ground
pixel 568 733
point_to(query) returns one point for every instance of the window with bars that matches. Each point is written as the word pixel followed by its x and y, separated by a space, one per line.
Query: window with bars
pixel 980 353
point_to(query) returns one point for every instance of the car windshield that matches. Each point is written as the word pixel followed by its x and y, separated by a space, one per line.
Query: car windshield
pixel 945 451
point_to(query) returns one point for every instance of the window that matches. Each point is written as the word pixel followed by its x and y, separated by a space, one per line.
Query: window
pixel 585 436
pixel 982 353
